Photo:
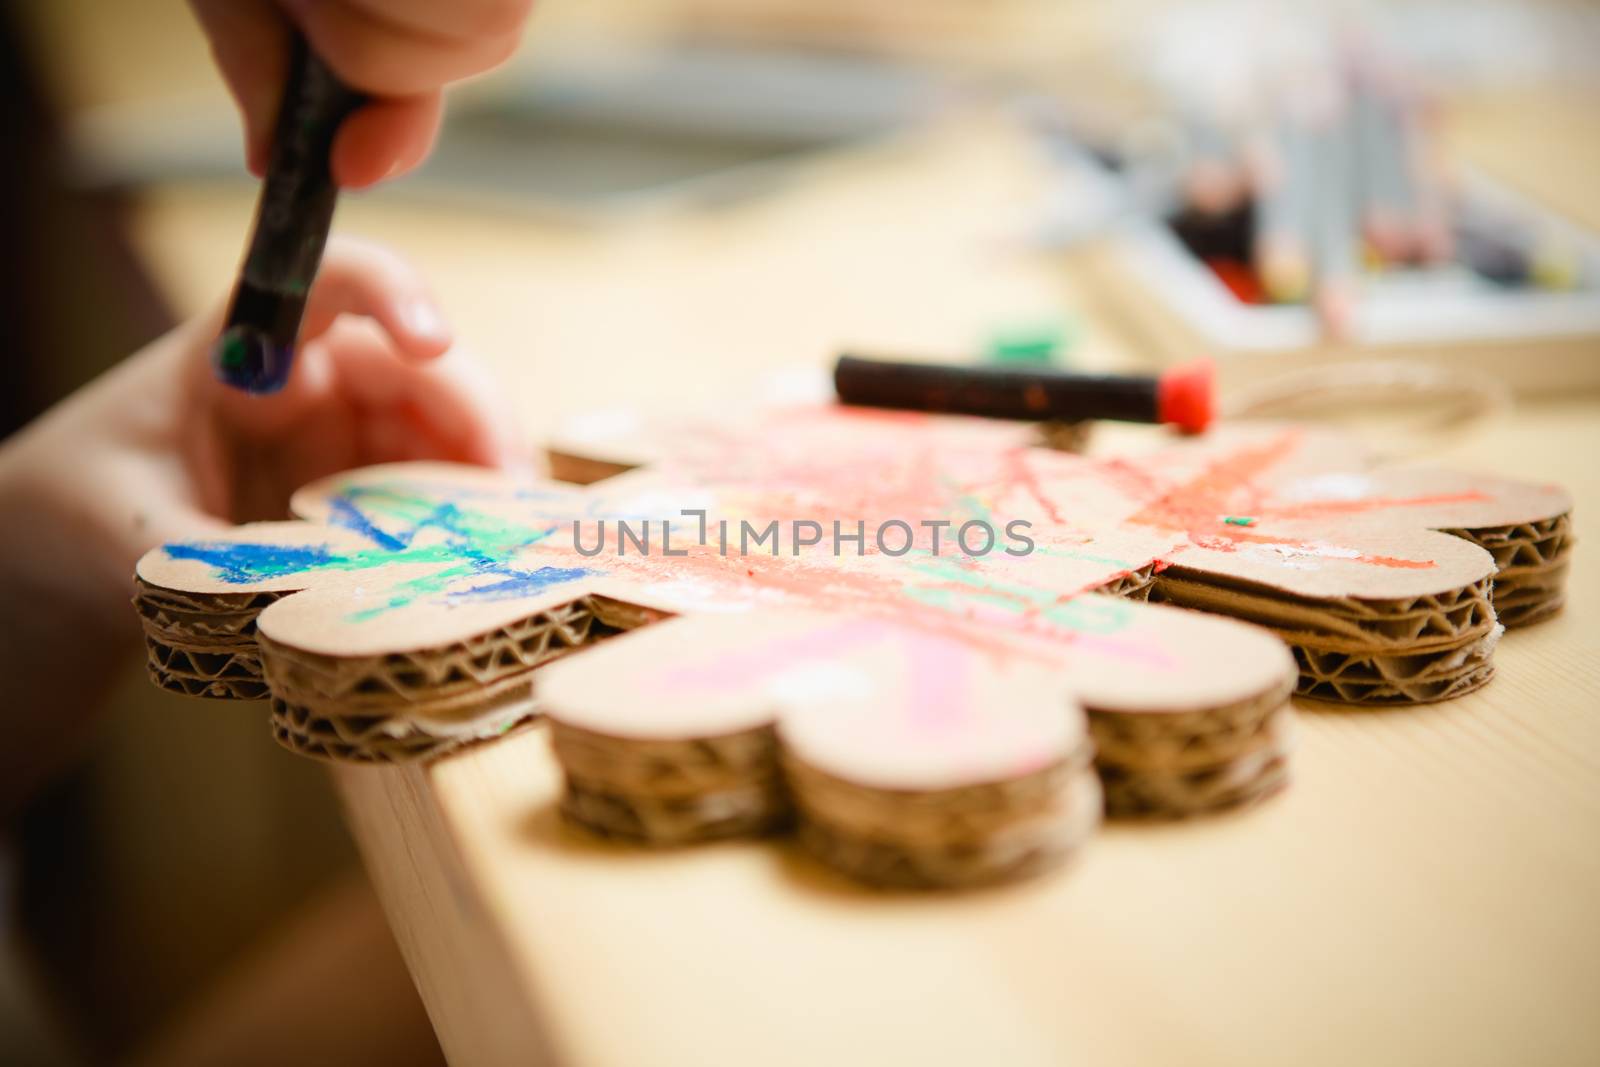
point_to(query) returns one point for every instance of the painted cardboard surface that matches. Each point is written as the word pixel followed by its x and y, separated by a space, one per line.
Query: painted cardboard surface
pixel 411 557
pixel 871 700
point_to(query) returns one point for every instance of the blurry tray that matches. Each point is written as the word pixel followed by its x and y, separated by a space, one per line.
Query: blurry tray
pixel 1533 339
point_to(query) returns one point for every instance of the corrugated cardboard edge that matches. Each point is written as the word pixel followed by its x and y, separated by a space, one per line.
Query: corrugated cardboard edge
pixel 1044 840
pixel 422 704
pixel 670 792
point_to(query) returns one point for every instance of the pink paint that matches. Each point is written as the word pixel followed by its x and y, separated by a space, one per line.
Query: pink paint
pixel 752 665
pixel 813 463
pixel 940 680
pixel 1129 652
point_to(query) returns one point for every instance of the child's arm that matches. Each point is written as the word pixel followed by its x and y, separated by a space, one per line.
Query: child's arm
pixel 157 450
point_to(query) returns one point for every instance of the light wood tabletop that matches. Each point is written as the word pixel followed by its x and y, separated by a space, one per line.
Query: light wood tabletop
pixel 1426 891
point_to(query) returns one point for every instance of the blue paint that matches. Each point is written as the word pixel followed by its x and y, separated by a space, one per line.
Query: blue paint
pixel 517 583
pixel 475 545
pixel 347 515
pixel 242 563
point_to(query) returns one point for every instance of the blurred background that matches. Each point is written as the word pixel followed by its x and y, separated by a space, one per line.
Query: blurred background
pixel 733 190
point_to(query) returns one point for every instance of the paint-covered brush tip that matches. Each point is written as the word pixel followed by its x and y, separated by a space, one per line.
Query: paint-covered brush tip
pixel 248 359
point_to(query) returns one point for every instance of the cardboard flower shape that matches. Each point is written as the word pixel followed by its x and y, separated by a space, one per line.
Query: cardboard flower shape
pixel 913 631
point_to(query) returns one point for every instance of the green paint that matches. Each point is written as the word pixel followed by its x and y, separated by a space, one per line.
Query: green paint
pixel 1085 557
pixel 439 539
pixel 976 511
pixel 1085 614
pixel 1238 520
pixel 482 529
pixel 1043 341
pixel 406 592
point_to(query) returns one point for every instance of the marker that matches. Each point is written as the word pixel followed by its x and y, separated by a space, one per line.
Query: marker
pixel 1494 250
pixel 1240 280
pixel 1386 137
pixel 1556 264
pixel 1283 213
pixel 1214 178
pixel 1181 397
pixel 293 215
pixel 1334 222
pixel 1509 253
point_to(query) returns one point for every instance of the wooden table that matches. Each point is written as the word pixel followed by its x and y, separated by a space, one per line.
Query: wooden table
pixel 1426 892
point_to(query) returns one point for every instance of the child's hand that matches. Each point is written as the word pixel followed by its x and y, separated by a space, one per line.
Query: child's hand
pixel 373 382
pixel 158 450
pixel 403 52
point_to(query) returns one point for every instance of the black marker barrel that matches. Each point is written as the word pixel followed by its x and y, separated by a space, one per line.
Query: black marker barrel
pixel 293 216
pixel 1180 396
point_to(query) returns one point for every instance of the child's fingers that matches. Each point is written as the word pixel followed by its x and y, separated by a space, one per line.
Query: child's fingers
pixel 459 20
pixel 311 383
pixel 164 520
pixel 501 440
pixel 358 278
pixel 452 400
pixel 250 40
pixel 357 281
pixel 385 56
pixel 386 138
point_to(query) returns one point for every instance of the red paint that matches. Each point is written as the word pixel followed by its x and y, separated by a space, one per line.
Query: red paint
pixel 824 464
pixel 1017 474
pixel 1228 487
pixel 1316 509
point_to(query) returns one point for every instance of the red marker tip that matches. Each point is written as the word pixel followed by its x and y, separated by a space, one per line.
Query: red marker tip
pixel 1185 396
